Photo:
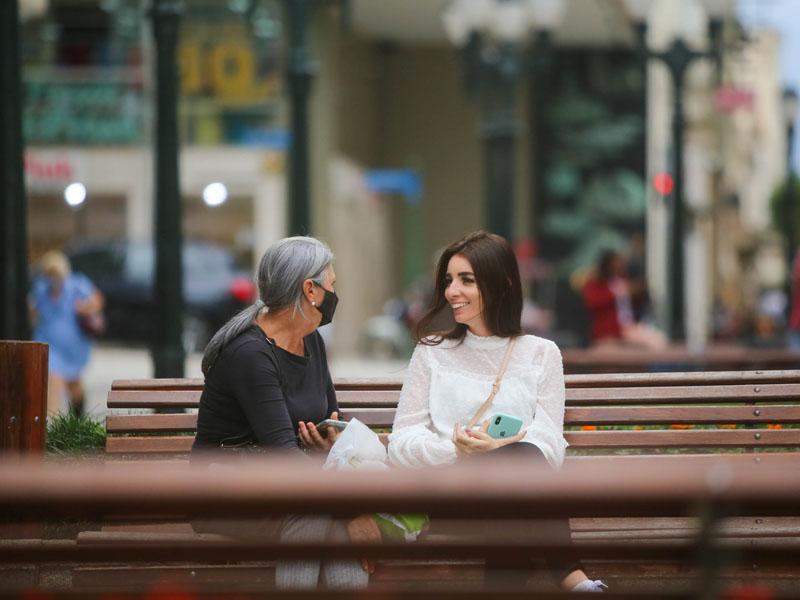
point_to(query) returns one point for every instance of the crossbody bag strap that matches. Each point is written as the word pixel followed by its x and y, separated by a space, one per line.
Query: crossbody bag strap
pixel 495 386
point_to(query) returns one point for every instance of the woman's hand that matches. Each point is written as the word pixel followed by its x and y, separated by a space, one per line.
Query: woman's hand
pixel 91 305
pixel 313 439
pixel 364 530
pixel 477 441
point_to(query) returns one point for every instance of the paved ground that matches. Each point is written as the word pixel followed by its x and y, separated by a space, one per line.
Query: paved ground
pixel 111 362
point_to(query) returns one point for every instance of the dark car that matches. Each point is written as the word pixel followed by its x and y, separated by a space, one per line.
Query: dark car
pixel 215 288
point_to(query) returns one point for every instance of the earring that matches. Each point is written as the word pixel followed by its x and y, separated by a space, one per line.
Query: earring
pixel 313 303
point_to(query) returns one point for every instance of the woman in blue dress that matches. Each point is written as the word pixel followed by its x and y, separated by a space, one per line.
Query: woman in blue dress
pixel 58 299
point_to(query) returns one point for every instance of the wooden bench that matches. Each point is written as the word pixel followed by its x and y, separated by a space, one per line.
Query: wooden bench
pixel 642 489
pixel 747 417
pixel 750 414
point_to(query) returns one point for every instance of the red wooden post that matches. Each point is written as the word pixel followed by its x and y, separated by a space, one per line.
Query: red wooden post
pixel 23 396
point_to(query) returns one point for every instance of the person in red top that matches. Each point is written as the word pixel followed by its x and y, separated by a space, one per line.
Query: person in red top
pixel 607 298
pixel 601 301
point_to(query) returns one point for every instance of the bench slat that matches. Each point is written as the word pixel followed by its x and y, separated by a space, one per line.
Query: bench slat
pixel 368 399
pixel 155 398
pixel 705 438
pixel 174 423
pixel 732 526
pixel 667 415
pixel 683 394
pixel 594 380
pixel 711 438
pixel 149 445
pixel 166 423
pixel 589 380
pixel 383 418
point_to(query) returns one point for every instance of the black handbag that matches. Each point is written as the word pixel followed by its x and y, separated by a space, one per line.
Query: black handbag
pixel 241 446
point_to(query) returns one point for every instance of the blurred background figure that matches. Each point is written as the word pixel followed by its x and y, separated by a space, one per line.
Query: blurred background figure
pixel 794 315
pixel 607 295
pixel 637 278
pixel 65 309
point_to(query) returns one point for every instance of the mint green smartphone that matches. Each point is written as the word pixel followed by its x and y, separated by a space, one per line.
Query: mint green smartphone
pixel 504 426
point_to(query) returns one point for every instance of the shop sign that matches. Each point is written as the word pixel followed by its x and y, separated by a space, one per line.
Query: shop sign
pixel 63 109
pixel 48 170
pixel 730 98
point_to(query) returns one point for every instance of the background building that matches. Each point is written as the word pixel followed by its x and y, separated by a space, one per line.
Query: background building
pixel 389 94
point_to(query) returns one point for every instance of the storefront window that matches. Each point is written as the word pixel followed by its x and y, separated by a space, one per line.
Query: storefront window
pixel 88 77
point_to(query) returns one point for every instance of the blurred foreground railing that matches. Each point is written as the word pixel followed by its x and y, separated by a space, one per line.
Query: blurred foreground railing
pixel 650 488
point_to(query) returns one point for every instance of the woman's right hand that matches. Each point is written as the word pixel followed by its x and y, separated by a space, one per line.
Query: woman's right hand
pixel 312 439
pixel 477 441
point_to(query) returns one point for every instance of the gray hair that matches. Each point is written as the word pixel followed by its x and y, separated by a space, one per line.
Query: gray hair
pixel 281 273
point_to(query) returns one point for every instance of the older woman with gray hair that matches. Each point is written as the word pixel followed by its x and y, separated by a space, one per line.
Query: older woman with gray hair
pixel 266 385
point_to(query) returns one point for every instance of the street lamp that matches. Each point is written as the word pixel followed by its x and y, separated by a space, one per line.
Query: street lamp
pixel 13 214
pixel 168 352
pixel 791 107
pixel 677 58
pixel 494 39
pixel 299 75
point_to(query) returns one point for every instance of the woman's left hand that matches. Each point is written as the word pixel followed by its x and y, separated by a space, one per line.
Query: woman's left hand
pixel 477 441
pixel 364 530
pixel 312 439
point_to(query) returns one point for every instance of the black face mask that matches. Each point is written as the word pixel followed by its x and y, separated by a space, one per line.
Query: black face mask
pixel 328 306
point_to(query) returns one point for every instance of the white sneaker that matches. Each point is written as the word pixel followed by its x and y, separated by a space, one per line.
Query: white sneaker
pixel 587 585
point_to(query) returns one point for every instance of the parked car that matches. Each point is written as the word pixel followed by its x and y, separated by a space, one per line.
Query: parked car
pixel 215 287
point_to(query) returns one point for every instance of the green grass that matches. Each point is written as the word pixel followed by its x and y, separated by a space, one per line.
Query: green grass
pixel 71 434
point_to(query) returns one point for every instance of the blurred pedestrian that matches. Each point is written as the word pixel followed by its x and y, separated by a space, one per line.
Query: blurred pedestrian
pixel 60 302
pixel 607 297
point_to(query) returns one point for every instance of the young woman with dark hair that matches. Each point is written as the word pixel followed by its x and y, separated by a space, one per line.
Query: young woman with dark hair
pixel 452 372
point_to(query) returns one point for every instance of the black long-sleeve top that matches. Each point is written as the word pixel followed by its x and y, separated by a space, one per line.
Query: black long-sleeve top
pixel 259 391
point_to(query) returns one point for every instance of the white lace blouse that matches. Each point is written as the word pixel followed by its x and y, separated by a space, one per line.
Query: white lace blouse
pixel 446 384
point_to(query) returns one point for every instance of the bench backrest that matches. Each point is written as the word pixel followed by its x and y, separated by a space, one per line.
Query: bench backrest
pixel 714 358
pixel 630 413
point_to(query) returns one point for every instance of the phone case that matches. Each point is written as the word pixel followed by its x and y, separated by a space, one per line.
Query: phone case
pixel 503 426
pixel 340 425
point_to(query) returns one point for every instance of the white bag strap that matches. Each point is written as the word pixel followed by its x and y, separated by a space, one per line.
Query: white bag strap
pixel 495 386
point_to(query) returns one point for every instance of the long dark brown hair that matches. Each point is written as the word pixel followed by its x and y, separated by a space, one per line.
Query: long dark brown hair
pixel 497 275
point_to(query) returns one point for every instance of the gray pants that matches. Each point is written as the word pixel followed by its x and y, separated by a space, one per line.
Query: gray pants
pixel 305 574
pixel 294 574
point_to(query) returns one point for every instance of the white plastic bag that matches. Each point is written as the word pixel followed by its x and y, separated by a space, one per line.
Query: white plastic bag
pixel 357 447
pixel 360 448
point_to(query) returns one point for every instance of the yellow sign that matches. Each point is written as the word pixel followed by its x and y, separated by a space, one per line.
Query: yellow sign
pixel 226 70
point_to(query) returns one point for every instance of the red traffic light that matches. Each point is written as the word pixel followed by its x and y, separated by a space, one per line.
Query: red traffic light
pixel 663 183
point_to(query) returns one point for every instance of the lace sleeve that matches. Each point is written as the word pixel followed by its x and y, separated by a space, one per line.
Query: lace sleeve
pixel 413 443
pixel 547 429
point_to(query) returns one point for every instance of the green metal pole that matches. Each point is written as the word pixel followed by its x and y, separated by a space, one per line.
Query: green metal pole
pixel 168 352
pixel 499 133
pixel 790 218
pixel 677 59
pixel 499 138
pixel 300 72
pixel 677 327
pixel 14 323
pixel 541 61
